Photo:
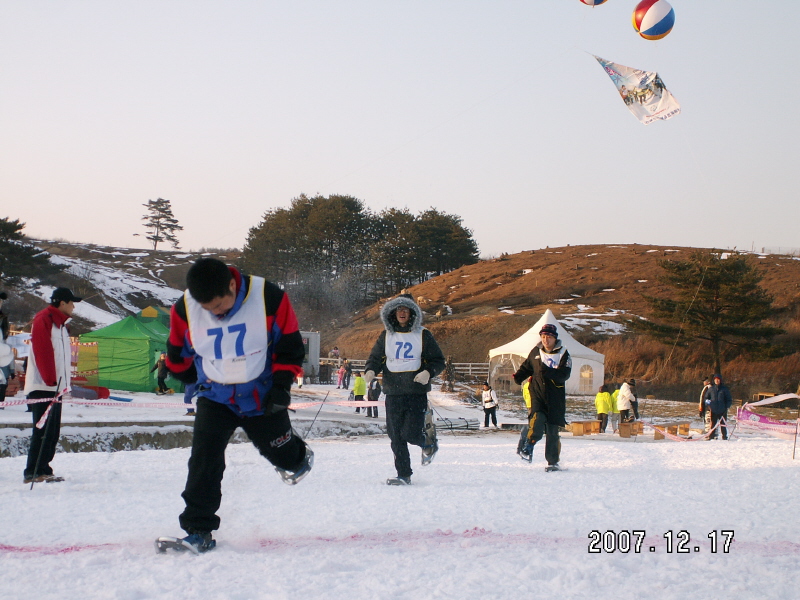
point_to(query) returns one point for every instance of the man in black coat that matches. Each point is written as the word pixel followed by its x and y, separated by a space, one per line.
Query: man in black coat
pixel 718 399
pixel 549 365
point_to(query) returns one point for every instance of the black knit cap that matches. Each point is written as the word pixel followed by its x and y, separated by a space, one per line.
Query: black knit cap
pixel 549 329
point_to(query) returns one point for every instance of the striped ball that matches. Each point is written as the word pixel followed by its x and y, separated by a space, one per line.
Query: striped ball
pixel 653 19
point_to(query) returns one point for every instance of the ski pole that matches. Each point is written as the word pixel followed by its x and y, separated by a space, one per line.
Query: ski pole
pixel 316 415
pixel 46 431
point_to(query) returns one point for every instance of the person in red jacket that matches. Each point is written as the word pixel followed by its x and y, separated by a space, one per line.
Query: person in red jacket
pixel 237 339
pixel 48 376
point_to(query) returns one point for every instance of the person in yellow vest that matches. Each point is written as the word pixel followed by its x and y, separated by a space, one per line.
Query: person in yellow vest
pixel 602 404
pixel 613 415
pixel 359 390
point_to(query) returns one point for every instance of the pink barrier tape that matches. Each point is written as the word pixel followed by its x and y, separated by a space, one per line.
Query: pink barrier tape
pixel 294 405
pixel 70 400
pixel 751 421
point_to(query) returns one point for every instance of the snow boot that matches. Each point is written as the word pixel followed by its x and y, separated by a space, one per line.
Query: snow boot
pixel 398 481
pixel 526 452
pixel 196 543
pixel 43 479
pixel 294 477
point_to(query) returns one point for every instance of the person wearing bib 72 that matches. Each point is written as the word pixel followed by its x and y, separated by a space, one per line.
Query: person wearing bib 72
pixel 237 338
pixel 409 358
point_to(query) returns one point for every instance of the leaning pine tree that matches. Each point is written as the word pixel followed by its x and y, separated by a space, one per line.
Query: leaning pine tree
pixel 160 223
pixel 716 298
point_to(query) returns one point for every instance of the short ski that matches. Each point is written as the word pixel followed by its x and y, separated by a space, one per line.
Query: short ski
pixel 163 544
pixel 553 468
pixel 398 481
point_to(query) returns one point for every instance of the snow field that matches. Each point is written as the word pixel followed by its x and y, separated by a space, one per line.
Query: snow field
pixel 478 522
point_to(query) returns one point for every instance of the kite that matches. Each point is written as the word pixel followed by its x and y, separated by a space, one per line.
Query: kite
pixel 643 92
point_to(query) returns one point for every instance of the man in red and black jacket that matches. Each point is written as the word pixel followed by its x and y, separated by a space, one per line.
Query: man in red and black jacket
pixel 237 338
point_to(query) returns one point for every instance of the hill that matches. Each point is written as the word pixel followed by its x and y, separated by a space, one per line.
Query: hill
pixel 114 282
pixel 592 290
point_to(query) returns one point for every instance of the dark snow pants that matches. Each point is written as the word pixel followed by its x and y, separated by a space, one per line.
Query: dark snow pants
pixel 536 429
pixel 214 425
pixel 43 440
pixel 487 412
pixel 405 424
pixel 603 418
pixel 715 418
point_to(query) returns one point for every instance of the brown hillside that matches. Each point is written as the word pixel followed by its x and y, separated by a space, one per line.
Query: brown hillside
pixel 573 281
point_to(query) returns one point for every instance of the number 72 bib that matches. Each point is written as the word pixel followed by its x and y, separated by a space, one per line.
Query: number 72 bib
pixel 403 351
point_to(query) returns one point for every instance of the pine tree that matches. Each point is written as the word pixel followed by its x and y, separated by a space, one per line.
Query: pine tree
pixel 160 223
pixel 715 299
pixel 18 257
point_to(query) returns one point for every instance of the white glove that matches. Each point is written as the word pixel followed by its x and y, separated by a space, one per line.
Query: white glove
pixel 369 376
pixel 422 377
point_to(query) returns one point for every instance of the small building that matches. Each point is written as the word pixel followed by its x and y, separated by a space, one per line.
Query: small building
pixel 311 344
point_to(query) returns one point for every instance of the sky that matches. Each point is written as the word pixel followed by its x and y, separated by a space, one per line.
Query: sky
pixel 494 111
pixel 476 523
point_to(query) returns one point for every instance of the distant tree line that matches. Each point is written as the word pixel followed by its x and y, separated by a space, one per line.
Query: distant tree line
pixel 333 253
pixel 19 258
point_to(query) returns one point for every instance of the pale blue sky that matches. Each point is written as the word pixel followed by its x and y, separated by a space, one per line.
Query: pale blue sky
pixel 494 111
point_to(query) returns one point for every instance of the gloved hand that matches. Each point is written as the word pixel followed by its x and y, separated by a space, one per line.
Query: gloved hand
pixel 423 377
pixel 279 398
pixel 368 377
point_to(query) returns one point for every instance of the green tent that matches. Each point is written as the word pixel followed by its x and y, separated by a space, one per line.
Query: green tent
pixel 126 351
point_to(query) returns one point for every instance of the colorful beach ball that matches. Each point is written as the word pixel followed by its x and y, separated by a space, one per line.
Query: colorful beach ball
pixel 593 2
pixel 653 19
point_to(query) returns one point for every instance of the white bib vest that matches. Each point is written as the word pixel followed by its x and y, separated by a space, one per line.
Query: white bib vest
pixel 551 360
pixel 234 348
pixel 403 351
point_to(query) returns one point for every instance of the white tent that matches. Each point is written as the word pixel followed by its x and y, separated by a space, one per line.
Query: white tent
pixel 588 366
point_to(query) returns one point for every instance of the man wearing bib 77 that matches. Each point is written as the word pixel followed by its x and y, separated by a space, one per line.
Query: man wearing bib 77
pixel 237 336
pixel 409 358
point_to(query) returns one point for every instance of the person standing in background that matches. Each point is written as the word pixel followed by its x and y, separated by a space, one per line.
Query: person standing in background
pixel 48 376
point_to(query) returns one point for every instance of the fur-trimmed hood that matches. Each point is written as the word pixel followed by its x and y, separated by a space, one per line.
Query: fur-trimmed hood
pixel 390 320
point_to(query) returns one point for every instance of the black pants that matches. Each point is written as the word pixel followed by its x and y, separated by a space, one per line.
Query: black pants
pixel 624 415
pixel 162 384
pixel 635 407
pixel 43 440
pixel 540 427
pixel 405 424
pixel 3 389
pixel 715 417
pixel 487 412
pixel 358 399
pixel 603 418
pixel 213 427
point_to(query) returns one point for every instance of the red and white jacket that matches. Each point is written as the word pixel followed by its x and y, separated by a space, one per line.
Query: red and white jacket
pixel 49 359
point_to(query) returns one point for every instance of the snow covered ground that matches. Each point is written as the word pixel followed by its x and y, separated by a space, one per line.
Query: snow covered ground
pixel 477 523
